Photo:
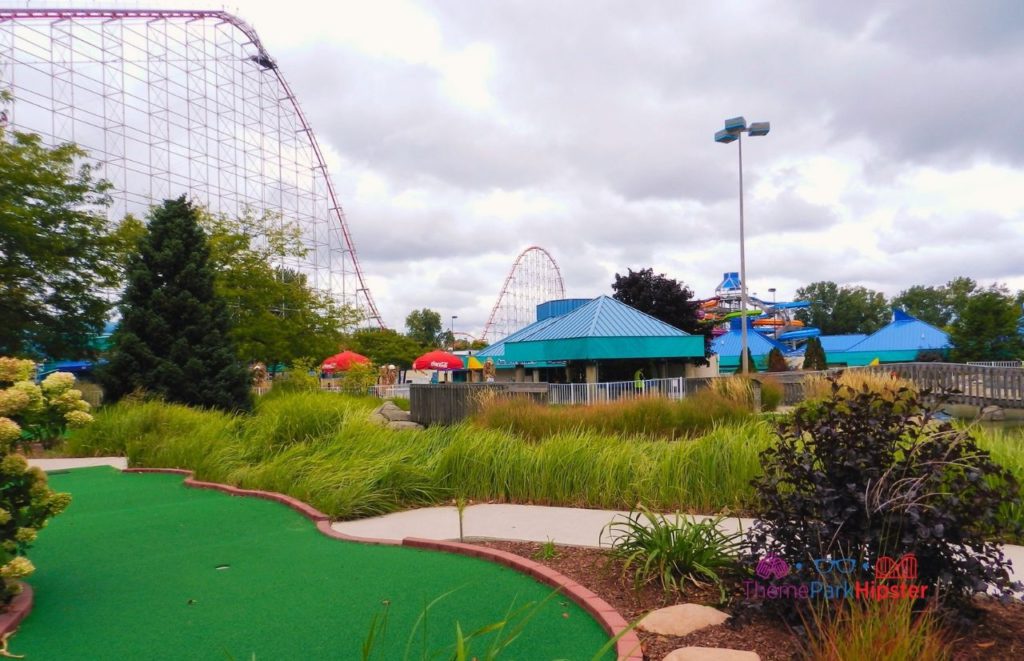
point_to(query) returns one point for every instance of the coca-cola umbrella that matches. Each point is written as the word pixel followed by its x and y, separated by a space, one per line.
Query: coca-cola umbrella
pixel 341 362
pixel 437 360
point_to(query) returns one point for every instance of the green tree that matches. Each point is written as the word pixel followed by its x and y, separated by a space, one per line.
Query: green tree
pixel 987 328
pixel 959 291
pixel 938 306
pixel 385 347
pixel 751 364
pixel 663 298
pixel 276 316
pixel 173 339
pixel 424 326
pixel 929 304
pixel 58 252
pixel 837 310
pixel 814 355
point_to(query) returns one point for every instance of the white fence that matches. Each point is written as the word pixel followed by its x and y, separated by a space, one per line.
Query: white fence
pixel 997 363
pixel 590 393
pixel 391 392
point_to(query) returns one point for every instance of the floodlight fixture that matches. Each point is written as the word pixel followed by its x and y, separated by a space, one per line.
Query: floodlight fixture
pixel 725 137
pixel 735 124
pixel 759 128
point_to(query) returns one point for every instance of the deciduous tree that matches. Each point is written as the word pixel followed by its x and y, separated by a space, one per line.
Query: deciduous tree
pixel 58 253
pixel 276 316
pixel 424 326
pixel 663 298
pixel 837 310
pixel 987 328
pixel 385 346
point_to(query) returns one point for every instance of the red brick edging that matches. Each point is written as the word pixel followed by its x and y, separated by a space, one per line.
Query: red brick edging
pixel 627 647
pixel 16 611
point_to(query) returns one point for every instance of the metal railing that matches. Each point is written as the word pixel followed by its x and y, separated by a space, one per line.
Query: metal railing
pixel 391 392
pixel 590 393
pixel 997 363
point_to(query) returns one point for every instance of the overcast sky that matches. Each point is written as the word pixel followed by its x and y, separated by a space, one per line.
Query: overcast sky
pixel 459 133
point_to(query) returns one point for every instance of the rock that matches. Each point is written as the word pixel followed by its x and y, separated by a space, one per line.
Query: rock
pixel 993 413
pixel 711 654
pixel 398 416
pixel 377 419
pixel 681 619
pixel 399 425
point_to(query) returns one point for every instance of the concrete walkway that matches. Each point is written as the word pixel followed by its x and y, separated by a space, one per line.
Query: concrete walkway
pixel 531 523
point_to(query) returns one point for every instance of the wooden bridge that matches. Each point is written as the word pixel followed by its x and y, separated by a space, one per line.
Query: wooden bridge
pixel 978 385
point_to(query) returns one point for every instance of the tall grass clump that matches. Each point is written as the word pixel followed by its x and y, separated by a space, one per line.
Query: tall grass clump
pixel 155 433
pixel 321 448
pixel 868 629
pixel 1006 447
pixel 818 386
pixel 656 417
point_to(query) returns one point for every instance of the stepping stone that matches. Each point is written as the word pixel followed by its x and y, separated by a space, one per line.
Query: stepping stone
pixel 681 619
pixel 710 654
pixel 400 425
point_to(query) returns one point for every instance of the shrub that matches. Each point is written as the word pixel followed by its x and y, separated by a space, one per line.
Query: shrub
pixel 771 392
pixel 359 378
pixel 25 505
pixel 862 476
pixel 673 552
pixel 41 412
pixel 302 376
pixel 776 361
pixel 888 629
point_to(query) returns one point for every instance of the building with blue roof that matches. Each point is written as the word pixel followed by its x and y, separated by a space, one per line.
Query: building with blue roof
pixel 837 343
pixel 599 339
pixel 729 345
pixel 900 341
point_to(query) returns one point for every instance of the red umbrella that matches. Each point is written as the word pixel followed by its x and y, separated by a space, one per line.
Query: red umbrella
pixel 342 361
pixel 437 360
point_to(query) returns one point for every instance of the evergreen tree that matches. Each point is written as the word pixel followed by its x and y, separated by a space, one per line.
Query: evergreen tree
pixel 751 365
pixel 173 337
pixel 776 361
pixel 814 355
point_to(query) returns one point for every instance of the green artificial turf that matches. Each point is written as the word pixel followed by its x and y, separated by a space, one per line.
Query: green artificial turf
pixel 130 571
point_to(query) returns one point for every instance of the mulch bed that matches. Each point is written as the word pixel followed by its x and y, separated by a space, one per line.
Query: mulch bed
pixel 998 635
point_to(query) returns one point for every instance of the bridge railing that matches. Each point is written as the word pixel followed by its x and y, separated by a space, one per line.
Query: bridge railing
pixel 997 363
pixel 978 385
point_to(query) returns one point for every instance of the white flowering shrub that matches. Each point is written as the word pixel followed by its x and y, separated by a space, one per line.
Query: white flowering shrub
pixel 26 502
pixel 30 412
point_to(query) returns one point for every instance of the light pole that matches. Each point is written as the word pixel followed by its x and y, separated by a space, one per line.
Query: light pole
pixel 775 313
pixel 734 129
pixel 451 330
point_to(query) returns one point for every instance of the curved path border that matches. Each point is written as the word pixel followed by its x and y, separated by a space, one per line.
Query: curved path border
pixel 16 611
pixel 627 647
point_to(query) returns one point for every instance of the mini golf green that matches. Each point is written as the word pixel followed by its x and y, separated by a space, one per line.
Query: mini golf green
pixel 141 567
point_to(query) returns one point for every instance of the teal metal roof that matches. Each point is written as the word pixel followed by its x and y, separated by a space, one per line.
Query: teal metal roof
pixel 904 333
pixel 601 317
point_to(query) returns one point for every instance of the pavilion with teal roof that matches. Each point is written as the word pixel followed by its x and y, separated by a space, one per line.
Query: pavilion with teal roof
pixel 601 339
